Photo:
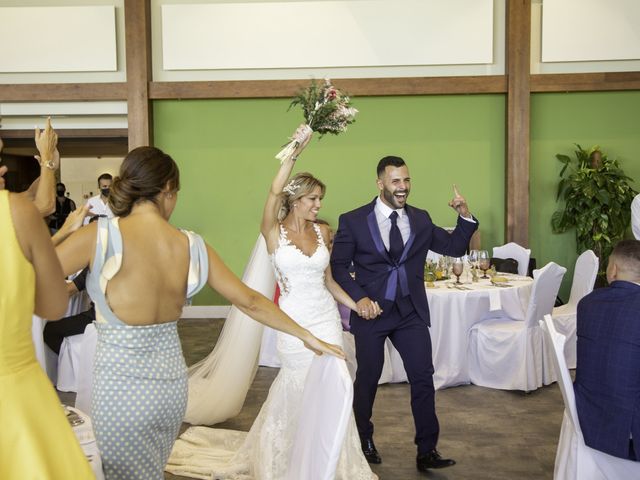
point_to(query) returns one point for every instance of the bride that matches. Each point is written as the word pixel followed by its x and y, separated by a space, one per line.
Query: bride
pixel 297 246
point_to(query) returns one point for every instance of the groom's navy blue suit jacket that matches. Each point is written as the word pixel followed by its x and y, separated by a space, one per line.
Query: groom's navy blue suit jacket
pixel 358 239
pixel 607 384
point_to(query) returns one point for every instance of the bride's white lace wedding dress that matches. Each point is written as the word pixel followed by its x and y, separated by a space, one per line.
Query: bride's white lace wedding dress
pixel 263 453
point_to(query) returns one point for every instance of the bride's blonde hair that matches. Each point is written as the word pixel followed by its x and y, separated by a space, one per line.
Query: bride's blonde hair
pixel 299 185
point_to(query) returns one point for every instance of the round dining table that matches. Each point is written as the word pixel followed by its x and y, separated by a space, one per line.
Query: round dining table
pixel 454 309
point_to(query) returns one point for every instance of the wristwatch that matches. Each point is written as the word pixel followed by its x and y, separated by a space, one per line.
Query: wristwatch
pixel 50 164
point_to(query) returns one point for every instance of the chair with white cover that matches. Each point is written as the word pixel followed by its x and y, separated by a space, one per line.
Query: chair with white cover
pixel 84 370
pixel 564 317
pixel 574 459
pixel 509 354
pixel 515 251
pixel 328 398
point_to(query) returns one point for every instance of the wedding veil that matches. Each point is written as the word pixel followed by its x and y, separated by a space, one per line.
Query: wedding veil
pixel 218 384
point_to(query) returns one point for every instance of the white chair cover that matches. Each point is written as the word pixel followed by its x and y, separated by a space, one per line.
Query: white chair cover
pixel 84 370
pixel 47 358
pixel 515 251
pixel 509 354
pixel 564 317
pixel 326 406
pixel 574 459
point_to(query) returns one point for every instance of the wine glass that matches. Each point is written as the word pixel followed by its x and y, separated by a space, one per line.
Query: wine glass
pixel 473 258
pixel 484 262
pixel 457 268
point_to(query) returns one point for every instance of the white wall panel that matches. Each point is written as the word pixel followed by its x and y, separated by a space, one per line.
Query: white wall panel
pixel 311 34
pixel 590 30
pixel 58 39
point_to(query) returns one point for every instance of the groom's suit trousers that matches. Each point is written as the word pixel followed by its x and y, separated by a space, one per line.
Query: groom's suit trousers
pixel 410 336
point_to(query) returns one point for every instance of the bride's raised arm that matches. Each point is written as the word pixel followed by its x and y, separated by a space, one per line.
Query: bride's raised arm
pixel 269 222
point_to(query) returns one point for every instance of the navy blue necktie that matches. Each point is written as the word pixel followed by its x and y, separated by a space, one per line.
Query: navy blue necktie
pixel 396 245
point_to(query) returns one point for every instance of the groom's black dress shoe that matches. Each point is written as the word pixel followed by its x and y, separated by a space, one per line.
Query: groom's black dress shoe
pixel 369 450
pixel 433 460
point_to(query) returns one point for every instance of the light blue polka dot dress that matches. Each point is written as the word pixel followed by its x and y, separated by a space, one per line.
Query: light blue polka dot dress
pixel 140 378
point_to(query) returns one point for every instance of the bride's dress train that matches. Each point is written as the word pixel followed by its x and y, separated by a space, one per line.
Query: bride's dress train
pixel 264 452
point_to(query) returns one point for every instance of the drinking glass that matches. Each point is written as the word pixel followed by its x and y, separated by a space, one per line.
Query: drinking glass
pixel 484 262
pixel 457 268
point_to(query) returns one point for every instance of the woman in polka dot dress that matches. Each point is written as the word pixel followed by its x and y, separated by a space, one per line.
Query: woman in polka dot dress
pixel 142 268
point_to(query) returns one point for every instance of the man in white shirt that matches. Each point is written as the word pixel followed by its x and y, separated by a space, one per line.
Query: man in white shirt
pixel 99 205
pixel 386 242
pixel 635 217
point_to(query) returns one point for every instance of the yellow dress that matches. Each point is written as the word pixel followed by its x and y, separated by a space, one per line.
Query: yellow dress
pixel 36 441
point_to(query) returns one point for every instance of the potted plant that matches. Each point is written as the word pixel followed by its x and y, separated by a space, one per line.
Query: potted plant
pixel 597 201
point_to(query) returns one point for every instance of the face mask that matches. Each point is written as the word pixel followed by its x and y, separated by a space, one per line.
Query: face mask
pixel 104 192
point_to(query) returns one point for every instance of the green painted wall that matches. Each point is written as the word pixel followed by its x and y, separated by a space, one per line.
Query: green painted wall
pixel 608 119
pixel 225 150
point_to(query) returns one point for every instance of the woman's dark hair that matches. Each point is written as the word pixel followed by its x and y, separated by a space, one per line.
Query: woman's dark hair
pixel 144 173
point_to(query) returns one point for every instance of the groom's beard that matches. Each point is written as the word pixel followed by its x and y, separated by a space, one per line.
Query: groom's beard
pixel 393 200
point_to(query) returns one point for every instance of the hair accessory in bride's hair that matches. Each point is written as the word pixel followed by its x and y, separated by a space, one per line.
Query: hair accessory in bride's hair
pixel 291 188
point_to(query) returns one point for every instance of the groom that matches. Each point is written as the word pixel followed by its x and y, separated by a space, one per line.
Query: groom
pixel 387 241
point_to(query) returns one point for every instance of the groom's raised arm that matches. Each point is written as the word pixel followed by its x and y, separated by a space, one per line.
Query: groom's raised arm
pixel 344 247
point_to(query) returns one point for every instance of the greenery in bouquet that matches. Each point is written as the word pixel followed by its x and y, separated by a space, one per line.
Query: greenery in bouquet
pixel 326 109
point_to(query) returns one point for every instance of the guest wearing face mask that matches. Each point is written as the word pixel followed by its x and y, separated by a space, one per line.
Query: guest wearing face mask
pixel 99 205
pixel 64 206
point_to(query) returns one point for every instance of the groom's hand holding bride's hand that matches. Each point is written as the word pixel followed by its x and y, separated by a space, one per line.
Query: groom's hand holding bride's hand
pixel 459 204
pixel 367 308
pixel 319 347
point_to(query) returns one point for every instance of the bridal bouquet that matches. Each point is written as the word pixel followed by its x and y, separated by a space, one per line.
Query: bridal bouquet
pixel 326 110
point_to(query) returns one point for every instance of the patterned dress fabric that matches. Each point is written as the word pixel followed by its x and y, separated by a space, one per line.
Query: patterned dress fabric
pixel 140 380
pixel 36 440
pixel 264 453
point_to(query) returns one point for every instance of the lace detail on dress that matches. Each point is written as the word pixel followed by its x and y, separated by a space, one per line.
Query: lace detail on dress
pixel 266 450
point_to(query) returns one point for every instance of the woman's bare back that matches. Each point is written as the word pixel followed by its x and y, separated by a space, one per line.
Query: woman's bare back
pixel 151 285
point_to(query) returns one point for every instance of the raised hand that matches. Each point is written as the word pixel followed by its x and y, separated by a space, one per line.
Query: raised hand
pixel 302 136
pixel 47 143
pixel 459 204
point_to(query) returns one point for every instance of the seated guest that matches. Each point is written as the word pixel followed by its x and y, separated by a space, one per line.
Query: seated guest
pixel 54 332
pixel 607 384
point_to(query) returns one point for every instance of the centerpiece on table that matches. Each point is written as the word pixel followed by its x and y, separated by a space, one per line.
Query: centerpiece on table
pixel 326 110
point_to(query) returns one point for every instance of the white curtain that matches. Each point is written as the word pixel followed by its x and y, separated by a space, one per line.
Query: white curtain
pixel 218 385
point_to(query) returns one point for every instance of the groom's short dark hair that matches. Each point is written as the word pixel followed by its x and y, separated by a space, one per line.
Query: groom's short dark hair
pixel 389 161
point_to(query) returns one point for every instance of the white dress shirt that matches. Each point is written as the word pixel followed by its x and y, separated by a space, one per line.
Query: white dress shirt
pixel 97 207
pixel 384 224
pixel 635 217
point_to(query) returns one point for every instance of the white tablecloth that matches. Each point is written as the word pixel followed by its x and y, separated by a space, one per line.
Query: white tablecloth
pixel 87 440
pixel 453 313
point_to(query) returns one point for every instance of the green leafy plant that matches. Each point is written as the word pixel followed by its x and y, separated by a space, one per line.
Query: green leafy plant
pixel 597 198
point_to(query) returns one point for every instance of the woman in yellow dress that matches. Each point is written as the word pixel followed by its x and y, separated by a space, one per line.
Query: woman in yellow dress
pixel 36 441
